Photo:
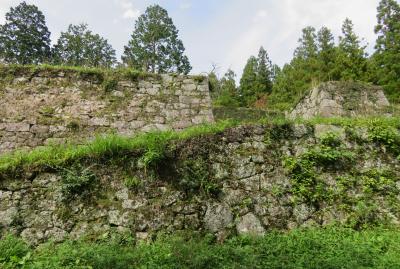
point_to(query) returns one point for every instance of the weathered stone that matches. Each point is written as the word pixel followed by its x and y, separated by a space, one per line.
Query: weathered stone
pixel 217 217
pixel 336 99
pixel 250 224
pixel 75 107
pixel 17 127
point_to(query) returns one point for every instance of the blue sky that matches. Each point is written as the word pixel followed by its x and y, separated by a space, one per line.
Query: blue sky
pixel 224 32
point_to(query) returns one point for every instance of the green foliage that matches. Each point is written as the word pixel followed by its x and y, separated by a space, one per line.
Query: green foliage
pixel 132 182
pixel 224 91
pixel 24 38
pixel 154 44
pixel 76 181
pixel 80 47
pixel 379 181
pixel 388 136
pixel 110 85
pixel 329 248
pixel 256 80
pixel 330 139
pixel 351 60
pixel 306 185
pixel 194 176
pixel 303 169
pixel 317 59
pixel 386 59
pixel 47 111
pixel 150 145
pixel 13 252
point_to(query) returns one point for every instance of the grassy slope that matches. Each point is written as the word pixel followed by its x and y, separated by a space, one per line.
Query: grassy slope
pixel 311 248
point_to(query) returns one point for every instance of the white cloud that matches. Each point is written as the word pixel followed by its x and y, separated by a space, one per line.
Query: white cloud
pixel 131 13
pixel 129 10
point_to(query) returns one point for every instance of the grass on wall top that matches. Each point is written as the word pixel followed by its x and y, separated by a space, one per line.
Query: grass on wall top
pixel 152 144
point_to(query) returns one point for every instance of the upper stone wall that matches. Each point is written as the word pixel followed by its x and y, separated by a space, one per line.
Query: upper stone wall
pixel 342 99
pixel 48 105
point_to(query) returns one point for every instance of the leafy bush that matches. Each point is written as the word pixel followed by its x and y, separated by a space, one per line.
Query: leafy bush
pixel 194 176
pixel 76 181
pixel 303 170
pixel 387 136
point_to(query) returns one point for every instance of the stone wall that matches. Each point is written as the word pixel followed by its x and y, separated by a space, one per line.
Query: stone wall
pixel 342 99
pixel 50 106
pixel 243 180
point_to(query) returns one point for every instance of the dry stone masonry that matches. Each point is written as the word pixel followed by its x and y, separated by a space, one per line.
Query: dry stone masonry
pixel 342 99
pixel 246 184
pixel 42 107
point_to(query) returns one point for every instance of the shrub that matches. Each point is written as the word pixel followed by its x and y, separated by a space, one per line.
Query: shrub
pixel 76 181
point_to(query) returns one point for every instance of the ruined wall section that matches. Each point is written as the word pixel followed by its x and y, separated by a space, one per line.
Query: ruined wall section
pixel 52 107
pixel 342 99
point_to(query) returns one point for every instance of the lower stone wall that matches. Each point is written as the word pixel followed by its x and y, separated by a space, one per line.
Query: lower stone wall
pixel 245 180
pixel 53 106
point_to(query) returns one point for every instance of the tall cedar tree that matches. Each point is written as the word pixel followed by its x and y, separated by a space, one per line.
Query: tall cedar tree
pixel 351 61
pixel 248 82
pixel 296 77
pixel 257 78
pixel 24 38
pixel 264 73
pixel 327 54
pixel 387 55
pixel 78 46
pixel 155 46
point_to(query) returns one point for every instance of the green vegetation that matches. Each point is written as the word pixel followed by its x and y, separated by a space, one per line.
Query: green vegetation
pixel 303 170
pixel 80 47
pixel 154 45
pixel 132 182
pixel 24 37
pixel 310 248
pixel 194 178
pixel 76 181
pixel 106 77
pixel 151 145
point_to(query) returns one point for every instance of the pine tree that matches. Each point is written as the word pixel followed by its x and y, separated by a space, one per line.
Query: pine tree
pixel 298 76
pixel 387 56
pixel 155 46
pixel 78 46
pixel 327 54
pixel 307 44
pixel 248 82
pixel 24 38
pixel 351 62
pixel 264 73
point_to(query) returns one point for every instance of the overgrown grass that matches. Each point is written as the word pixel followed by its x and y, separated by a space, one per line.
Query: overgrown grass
pixel 310 248
pixel 150 145
pixel 100 75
